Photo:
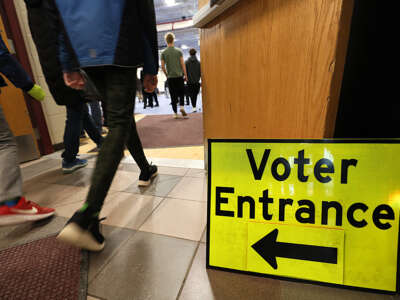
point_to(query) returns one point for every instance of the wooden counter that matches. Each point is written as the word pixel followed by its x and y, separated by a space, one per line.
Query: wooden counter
pixel 273 68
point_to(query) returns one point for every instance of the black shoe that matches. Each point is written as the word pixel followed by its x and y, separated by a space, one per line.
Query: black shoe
pixel 146 176
pixel 83 231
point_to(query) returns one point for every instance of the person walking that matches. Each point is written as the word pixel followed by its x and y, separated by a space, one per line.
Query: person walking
pixel 78 120
pixel 14 208
pixel 194 76
pixel 174 68
pixel 132 41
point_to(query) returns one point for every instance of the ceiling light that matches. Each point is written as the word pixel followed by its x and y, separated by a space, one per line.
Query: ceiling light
pixel 184 47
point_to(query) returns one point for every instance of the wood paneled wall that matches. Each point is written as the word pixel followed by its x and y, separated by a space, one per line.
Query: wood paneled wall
pixel 273 68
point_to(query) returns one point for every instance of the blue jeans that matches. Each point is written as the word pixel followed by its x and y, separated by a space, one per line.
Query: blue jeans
pixel 78 118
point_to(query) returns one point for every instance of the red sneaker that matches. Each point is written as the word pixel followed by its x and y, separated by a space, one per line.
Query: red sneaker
pixel 23 211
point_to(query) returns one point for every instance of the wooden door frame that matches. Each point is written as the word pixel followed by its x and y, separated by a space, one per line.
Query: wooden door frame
pixel 11 24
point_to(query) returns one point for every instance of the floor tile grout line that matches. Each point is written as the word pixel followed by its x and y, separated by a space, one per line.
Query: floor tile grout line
pixel 125 242
pixel 187 171
pixel 111 256
pixel 188 271
pixel 201 201
pixel 171 236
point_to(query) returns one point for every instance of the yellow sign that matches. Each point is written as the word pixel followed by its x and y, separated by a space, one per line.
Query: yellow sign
pixel 318 210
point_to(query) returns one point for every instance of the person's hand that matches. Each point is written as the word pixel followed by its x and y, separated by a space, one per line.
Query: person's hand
pixel 74 80
pixel 185 78
pixel 150 83
pixel 37 93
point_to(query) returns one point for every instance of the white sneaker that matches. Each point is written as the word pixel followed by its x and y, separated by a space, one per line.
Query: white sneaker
pixel 176 116
pixel 194 110
pixel 183 112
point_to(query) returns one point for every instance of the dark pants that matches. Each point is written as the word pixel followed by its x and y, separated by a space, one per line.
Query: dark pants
pixel 104 110
pixel 78 118
pixel 96 114
pixel 118 88
pixel 194 89
pixel 187 94
pixel 148 99
pixel 177 90
pixel 155 99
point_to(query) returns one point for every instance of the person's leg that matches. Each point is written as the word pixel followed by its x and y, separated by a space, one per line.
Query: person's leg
pixel 145 100
pixel 90 127
pixel 187 94
pixel 82 230
pixel 96 114
pixel 173 93
pixel 73 127
pixel 150 97
pixel 196 93
pixel 14 209
pixel 155 99
pixel 135 147
pixel 180 86
pixel 104 110
pixel 10 174
pixel 191 94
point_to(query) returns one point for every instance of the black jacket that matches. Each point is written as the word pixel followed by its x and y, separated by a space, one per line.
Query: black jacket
pixel 47 26
pixel 193 70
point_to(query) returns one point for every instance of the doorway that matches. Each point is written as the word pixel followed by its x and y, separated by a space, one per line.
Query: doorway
pixel 162 135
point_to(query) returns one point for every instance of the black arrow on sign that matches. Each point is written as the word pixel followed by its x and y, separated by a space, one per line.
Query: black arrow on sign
pixel 269 249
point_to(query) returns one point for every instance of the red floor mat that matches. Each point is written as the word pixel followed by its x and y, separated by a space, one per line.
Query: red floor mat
pixel 160 131
pixel 43 269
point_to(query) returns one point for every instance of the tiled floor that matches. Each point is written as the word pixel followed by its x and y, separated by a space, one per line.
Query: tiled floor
pixel 155 237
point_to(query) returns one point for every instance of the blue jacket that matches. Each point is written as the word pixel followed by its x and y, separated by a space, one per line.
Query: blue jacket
pixel 13 70
pixel 108 32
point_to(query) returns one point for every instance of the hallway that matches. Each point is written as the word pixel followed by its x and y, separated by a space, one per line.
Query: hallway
pixel 155 237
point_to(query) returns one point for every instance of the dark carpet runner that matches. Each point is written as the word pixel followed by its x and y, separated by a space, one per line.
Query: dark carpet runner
pixel 43 269
pixel 160 131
